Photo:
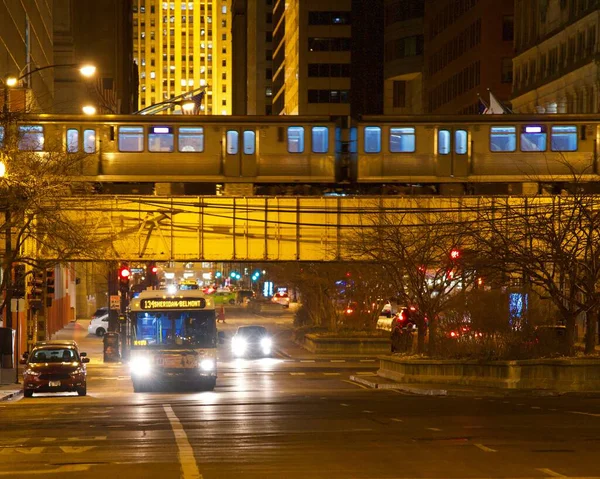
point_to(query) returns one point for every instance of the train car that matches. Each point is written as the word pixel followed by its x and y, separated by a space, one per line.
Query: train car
pixel 249 151
pixel 475 154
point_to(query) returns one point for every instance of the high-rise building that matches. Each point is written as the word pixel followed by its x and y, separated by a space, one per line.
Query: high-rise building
pixel 98 33
pixel 252 47
pixel 181 46
pixel 468 50
pixel 403 56
pixel 26 44
pixel 556 68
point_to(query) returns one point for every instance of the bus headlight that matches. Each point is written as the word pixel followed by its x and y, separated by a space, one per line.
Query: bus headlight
pixel 207 365
pixel 266 344
pixel 238 346
pixel 140 366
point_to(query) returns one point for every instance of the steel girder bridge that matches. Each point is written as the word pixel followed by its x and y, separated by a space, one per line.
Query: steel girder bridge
pixel 212 228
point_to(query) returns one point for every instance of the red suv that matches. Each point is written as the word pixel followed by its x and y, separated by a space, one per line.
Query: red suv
pixel 55 368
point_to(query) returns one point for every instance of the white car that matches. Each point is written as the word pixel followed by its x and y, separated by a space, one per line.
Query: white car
pixel 99 323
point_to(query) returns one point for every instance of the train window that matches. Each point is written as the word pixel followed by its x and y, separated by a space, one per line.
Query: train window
pixel 320 139
pixel 89 141
pixel 443 142
pixel 533 138
pixel 295 136
pixel 353 140
pixel 131 138
pixel 1 136
pixel 191 139
pixel 249 142
pixel 460 142
pixel 161 139
pixel 402 140
pixel 72 140
pixel 564 138
pixel 503 138
pixel 232 142
pixel 31 138
pixel 372 139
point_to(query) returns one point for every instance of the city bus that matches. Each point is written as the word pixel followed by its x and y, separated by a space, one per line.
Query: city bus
pixel 172 340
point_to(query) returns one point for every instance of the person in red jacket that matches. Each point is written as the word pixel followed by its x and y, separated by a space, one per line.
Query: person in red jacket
pixel 221 315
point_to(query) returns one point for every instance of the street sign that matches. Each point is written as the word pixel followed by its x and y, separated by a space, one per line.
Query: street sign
pixel 17 305
pixel 115 301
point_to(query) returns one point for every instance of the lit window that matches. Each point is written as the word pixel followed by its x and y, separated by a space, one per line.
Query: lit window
pixel 443 142
pixel 295 136
pixel 131 138
pixel 320 139
pixel 402 140
pixel 503 138
pixel 460 142
pixel 372 139
pixel 564 138
pixel 152 74
pixel 191 139
pixel 533 138
pixel 89 141
pixel 232 142
pixel 72 141
pixel 224 9
pixel 161 139
pixel 249 142
pixel 1 136
pixel 31 138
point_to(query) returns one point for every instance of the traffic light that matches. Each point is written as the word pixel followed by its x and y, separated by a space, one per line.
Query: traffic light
pixel 152 274
pixel 19 283
pixel 50 281
pixel 37 286
pixel 124 274
pixel 255 275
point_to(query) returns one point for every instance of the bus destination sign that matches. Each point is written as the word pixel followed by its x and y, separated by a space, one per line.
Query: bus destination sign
pixel 172 303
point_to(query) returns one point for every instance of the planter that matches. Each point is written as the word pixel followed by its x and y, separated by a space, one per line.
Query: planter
pixel 556 374
pixel 367 345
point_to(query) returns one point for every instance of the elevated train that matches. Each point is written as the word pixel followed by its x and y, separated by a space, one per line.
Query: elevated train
pixel 299 155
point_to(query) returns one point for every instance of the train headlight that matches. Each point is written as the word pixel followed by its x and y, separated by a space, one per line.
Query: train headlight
pixel 140 366
pixel 238 346
pixel 207 365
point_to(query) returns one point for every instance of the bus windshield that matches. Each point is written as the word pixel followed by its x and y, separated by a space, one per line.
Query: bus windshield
pixel 176 328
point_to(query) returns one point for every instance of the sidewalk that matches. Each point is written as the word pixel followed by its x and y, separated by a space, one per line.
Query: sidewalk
pixel 10 391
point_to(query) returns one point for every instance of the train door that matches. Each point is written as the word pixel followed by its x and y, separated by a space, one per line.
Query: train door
pixel 240 153
pixel 453 152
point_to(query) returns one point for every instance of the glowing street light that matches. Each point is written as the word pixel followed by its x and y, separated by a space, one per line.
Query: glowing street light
pixel 89 110
pixel 88 70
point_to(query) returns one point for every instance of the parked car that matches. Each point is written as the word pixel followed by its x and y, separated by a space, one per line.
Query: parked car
pixel 99 323
pixel 54 368
pixel 251 341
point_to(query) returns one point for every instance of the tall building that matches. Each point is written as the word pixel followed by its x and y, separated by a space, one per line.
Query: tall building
pixel 181 46
pixel 468 50
pixel 403 67
pixel 556 67
pixel 99 33
pixel 252 57
pixel 321 50
pixel 26 44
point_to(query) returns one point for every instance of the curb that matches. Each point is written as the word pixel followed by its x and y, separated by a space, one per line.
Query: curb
pixel 284 353
pixel 11 395
pixel 398 386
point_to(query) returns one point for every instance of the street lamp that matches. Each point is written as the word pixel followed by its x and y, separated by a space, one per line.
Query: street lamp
pixel 89 110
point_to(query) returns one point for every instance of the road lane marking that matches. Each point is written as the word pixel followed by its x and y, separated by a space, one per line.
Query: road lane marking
pixel 367 411
pixel 434 429
pixel 298 374
pixel 550 472
pixel 60 470
pixel 189 468
pixel 485 448
pixel 355 384
pixel 332 374
pixel 584 413
pixel 22 450
pixel 367 360
pixel 342 404
pixel 535 407
pixel 338 361
pixel 307 360
pixel 395 419
pixel 76 449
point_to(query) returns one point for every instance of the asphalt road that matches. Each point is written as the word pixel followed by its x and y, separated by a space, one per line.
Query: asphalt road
pixel 284 418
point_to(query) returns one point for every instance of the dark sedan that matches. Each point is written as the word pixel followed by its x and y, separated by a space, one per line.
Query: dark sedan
pixel 54 368
pixel 251 341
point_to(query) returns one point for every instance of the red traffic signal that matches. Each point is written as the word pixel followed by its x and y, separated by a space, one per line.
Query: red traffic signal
pixel 124 272
pixel 154 270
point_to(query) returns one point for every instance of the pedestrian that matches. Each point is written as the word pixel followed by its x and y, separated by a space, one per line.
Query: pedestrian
pixel 221 315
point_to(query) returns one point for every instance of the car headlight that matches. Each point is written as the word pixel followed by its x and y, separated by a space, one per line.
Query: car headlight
pixel 238 346
pixel 266 343
pixel 207 365
pixel 140 366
